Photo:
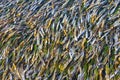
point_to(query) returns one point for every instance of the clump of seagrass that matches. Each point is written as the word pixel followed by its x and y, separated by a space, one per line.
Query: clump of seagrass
pixel 60 39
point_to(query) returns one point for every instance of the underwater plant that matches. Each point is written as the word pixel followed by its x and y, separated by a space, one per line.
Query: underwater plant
pixel 59 39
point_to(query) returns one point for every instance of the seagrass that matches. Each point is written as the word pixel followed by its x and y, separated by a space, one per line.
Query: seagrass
pixel 59 39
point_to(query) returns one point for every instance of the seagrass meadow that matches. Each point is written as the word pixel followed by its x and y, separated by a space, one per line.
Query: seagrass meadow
pixel 59 39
